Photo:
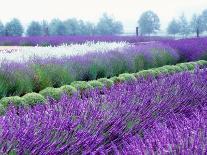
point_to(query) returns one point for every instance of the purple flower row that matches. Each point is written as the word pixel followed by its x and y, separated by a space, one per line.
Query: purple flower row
pixel 58 40
pixel 143 116
pixel 189 49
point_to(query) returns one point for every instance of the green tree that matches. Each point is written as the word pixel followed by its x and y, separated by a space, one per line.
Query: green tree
pixel 197 25
pixel 108 26
pixel 14 28
pixel 204 19
pixel 34 29
pixel 173 27
pixel 57 27
pixel 2 29
pixel 184 26
pixel 72 26
pixel 149 23
pixel 45 28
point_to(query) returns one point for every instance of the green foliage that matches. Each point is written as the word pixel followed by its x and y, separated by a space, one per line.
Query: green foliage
pixel 2 29
pixel 15 100
pixel 182 66
pixel 190 65
pixel 57 27
pixel 201 62
pixel 184 25
pixel 117 65
pixel 95 84
pixel 144 73
pixel 108 26
pixel 68 89
pixel 14 28
pixel 33 98
pixel 81 85
pixel 20 84
pixel 4 85
pixel 197 24
pixel 161 57
pixel 12 152
pixel 116 79
pixel 50 75
pixel 34 29
pixel 173 27
pixel 140 63
pixel 106 82
pixel 169 68
pixel 149 23
pixel 94 71
pixel 55 93
pixel 128 77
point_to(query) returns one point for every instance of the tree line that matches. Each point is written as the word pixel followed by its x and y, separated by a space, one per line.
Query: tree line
pixel 148 23
pixel 106 25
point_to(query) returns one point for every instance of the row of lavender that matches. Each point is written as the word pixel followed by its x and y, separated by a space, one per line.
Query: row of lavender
pixel 19 78
pixel 58 40
pixel 149 116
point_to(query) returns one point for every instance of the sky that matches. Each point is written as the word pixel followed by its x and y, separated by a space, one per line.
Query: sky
pixel 127 11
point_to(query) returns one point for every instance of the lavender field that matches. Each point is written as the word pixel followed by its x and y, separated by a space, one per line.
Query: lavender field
pixel 108 95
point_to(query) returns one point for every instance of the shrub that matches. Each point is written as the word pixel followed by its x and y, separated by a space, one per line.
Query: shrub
pixel 68 89
pixel 161 57
pixel 52 92
pixel 96 84
pixel 182 66
pixel 106 82
pixel 202 62
pixel 21 84
pixel 116 79
pixel 96 70
pixel 81 85
pixel 33 98
pixel 177 68
pixel 169 68
pixel 51 75
pixel 143 73
pixel 191 66
pixel 4 85
pixel 15 100
pixel 140 63
pixel 128 77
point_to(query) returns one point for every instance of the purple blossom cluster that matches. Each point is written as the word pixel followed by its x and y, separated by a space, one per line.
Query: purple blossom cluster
pixel 149 116
pixel 58 40
pixel 189 49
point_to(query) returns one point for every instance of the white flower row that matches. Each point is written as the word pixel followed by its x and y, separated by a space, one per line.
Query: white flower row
pixel 24 54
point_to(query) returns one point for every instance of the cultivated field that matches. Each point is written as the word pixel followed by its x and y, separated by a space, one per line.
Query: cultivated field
pixel 112 95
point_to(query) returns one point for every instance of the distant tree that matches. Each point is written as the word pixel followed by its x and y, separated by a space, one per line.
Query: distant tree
pixel 57 27
pixel 72 26
pixel 34 29
pixel 197 25
pixel 173 27
pixel 2 29
pixel 204 19
pixel 108 26
pixel 87 28
pixel 14 28
pixel 184 25
pixel 149 23
pixel 45 28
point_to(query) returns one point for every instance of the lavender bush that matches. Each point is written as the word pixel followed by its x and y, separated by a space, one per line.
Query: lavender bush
pixel 18 78
pixel 189 49
pixel 127 117
pixel 58 40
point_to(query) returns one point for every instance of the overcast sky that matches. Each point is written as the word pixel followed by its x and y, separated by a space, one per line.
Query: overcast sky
pixel 128 11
